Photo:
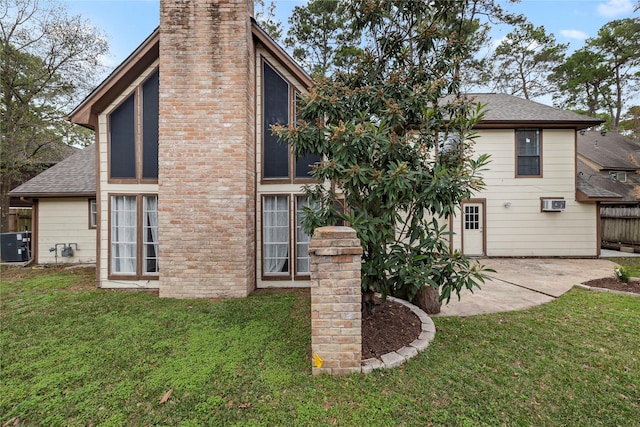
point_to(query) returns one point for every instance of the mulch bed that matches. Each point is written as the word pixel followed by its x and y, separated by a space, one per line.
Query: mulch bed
pixel 632 286
pixel 391 327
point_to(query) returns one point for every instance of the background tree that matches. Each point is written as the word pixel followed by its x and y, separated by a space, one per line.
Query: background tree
pixel 320 36
pixel 522 62
pixel 266 17
pixel 619 45
pixel 48 61
pixel 582 81
pixel 378 128
pixel 630 123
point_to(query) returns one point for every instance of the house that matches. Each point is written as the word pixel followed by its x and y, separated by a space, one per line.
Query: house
pixel 183 180
pixel 610 163
pixel 529 207
pixel 196 198
pixel 63 200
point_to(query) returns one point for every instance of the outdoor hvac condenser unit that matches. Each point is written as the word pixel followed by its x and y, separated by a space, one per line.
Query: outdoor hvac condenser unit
pixel 554 205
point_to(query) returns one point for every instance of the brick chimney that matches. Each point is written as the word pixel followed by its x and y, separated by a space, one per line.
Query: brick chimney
pixel 206 149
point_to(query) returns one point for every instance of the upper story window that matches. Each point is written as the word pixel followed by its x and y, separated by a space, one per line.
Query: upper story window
pixel 133 135
pixel 278 107
pixel 528 149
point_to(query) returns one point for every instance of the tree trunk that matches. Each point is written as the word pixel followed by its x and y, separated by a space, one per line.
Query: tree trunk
pixel 428 300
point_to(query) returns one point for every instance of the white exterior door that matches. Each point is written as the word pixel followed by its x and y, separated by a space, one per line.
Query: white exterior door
pixel 473 229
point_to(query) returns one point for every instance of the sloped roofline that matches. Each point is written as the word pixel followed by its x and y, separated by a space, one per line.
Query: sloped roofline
pixel 86 113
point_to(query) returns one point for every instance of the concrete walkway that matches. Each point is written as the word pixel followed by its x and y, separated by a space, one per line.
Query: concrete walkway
pixel 521 283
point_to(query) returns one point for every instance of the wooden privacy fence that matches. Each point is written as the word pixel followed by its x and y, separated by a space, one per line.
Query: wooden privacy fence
pixel 620 224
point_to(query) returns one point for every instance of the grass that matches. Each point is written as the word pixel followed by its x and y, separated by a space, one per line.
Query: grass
pixel 76 355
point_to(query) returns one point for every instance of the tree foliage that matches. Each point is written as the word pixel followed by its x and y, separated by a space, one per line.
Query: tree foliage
pixel 582 81
pixel 396 140
pixel 48 62
pixel 619 44
pixel 522 62
pixel 266 16
pixel 320 36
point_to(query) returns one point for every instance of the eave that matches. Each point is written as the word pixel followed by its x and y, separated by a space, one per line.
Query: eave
pixel 86 114
pixel 508 124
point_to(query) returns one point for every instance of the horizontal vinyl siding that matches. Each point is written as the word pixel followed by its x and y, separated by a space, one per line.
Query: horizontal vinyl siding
pixel 522 229
pixel 65 221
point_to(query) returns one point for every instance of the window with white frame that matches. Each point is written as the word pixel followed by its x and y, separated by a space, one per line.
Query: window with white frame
pixel 275 239
pixel 93 213
pixel 278 260
pixel 131 253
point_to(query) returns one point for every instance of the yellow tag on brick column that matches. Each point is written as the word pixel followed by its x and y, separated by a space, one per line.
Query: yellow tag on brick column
pixel 317 361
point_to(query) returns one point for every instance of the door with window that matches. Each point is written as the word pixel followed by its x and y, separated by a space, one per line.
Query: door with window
pixel 473 242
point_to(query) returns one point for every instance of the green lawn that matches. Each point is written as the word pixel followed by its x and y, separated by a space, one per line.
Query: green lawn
pixel 632 264
pixel 76 355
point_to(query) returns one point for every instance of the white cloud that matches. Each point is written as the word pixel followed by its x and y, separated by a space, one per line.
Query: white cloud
pixel 615 8
pixel 574 34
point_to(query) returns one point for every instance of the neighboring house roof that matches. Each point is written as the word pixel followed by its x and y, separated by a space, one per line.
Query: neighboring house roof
pixel 85 114
pixel 598 154
pixel 74 176
pixel 504 110
pixel 609 151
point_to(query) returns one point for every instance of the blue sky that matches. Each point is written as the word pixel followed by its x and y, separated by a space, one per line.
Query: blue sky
pixel 126 23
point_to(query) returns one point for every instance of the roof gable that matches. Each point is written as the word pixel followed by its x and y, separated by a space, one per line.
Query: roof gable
pixel 143 57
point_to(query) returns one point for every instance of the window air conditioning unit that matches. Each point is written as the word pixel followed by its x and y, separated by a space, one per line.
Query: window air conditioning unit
pixel 553 205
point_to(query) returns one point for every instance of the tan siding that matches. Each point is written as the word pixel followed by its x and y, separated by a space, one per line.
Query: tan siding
pixel 522 229
pixel 65 220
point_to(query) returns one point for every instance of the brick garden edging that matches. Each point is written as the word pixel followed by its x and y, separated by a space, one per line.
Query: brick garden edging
pixel 400 356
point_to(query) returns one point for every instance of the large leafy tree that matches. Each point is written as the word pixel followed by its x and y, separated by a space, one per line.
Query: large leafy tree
pixel 582 81
pixel 396 139
pixel 522 62
pixel 619 45
pixel 48 61
pixel 320 36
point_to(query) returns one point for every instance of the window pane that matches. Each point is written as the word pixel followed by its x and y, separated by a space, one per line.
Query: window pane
pixel 528 165
pixel 275 111
pixel 302 238
pixel 303 165
pixel 123 234
pixel 93 213
pixel 528 151
pixel 275 224
pixel 150 127
pixel 122 148
pixel 150 234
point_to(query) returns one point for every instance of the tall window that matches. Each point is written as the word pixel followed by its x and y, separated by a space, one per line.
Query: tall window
pixel 278 259
pixel 123 234
pixel 133 135
pixel 132 253
pixel 528 147
pixel 93 213
pixel 278 162
pixel 302 238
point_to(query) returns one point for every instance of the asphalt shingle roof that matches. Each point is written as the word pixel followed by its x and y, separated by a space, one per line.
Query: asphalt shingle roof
pixel 75 175
pixel 503 108
pixel 610 151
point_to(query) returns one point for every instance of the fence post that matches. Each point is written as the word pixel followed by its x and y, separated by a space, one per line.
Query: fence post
pixel 336 318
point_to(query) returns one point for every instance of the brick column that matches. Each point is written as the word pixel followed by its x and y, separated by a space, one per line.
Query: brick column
pixel 206 146
pixel 336 318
